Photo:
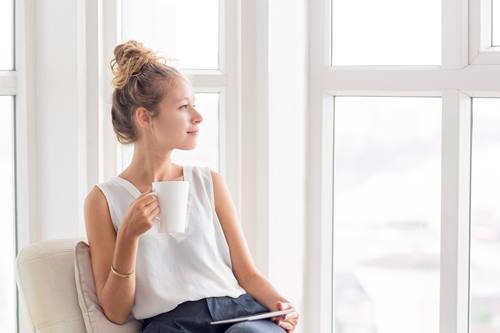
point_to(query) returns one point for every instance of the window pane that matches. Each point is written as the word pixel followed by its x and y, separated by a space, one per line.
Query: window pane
pixel 7 227
pixel 186 30
pixel 206 152
pixel 485 216
pixel 6 34
pixel 386 32
pixel 496 22
pixel 387 176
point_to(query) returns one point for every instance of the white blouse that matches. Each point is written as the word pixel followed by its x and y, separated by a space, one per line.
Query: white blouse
pixel 170 271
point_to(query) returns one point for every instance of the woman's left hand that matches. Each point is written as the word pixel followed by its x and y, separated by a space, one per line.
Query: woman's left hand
pixel 287 321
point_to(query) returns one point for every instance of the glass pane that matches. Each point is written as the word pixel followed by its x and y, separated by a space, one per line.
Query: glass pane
pixel 485 216
pixel 496 22
pixel 387 177
pixel 8 311
pixel 386 32
pixel 187 30
pixel 206 152
pixel 6 34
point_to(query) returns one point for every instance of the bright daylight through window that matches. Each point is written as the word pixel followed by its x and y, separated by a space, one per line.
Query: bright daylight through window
pixel 485 216
pixel 387 176
pixel 386 32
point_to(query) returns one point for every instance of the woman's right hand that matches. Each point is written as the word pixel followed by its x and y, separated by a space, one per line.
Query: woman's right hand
pixel 141 214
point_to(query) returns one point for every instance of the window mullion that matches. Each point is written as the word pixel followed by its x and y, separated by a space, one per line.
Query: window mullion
pixel 230 57
pixel 109 152
pixel 8 83
pixel 455 208
pixel 214 79
pixel 454 39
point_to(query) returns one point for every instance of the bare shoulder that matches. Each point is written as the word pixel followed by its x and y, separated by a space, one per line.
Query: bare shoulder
pixel 97 213
pixel 94 198
pixel 222 195
pixel 219 184
pixel 216 176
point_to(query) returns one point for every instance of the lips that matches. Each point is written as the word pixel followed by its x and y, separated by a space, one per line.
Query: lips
pixel 193 132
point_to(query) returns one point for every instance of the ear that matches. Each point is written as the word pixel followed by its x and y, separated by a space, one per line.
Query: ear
pixel 143 117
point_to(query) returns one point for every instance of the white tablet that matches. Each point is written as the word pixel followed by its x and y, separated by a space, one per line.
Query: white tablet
pixel 254 317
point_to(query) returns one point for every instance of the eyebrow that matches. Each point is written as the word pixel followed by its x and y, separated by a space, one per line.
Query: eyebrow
pixel 184 98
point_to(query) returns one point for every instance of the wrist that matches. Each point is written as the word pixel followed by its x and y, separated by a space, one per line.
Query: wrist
pixel 282 300
pixel 125 233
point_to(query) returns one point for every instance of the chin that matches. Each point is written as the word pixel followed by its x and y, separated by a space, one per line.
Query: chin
pixel 189 146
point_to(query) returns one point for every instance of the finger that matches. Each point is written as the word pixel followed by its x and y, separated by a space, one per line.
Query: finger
pixel 291 315
pixel 151 207
pixel 151 201
pixel 286 325
pixel 154 212
pixel 148 191
pixel 292 322
pixel 144 198
pixel 147 199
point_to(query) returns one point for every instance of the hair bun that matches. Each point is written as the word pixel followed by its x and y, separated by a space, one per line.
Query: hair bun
pixel 129 58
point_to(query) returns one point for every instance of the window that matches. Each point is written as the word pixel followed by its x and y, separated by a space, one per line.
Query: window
pixel 391 158
pixel 386 32
pixel 485 216
pixel 174 29
pixel 7 215
pixel 386 214
pixel 484 32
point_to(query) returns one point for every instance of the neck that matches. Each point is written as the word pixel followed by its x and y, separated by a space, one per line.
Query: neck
pixel 149 165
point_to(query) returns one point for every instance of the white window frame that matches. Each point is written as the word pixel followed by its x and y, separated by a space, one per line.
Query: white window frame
pixel 105 157
pixel 467 71
pixel 18 83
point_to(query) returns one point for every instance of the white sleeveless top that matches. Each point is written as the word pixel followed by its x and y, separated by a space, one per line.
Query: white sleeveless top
pixel 170 271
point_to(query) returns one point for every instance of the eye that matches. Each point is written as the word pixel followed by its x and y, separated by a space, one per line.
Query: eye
pixel 184 106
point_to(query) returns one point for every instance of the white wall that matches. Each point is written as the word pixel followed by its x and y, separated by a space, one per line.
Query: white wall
pixel 56 110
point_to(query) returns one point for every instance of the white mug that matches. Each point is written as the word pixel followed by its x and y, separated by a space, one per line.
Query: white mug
pixel 173 198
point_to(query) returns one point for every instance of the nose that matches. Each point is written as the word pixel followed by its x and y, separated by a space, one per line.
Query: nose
pixel 197 118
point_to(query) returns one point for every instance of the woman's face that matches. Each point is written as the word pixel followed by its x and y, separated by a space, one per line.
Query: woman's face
pixel 177 117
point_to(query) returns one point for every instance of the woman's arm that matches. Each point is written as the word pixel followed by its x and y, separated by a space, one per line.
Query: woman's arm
pixel 260 288
pixel 244 268
pixel 115 294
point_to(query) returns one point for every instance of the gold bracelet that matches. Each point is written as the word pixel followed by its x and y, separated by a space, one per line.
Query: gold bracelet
pixel 120 274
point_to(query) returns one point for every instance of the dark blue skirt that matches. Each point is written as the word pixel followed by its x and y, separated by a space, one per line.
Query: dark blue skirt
pixel 195 317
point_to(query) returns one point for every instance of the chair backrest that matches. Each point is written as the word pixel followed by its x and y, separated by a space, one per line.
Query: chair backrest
pixel 45 276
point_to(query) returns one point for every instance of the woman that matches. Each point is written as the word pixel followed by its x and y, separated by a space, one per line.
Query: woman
pixel 170 285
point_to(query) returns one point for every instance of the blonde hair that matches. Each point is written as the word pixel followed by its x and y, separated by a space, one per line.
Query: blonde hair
pixel 141 78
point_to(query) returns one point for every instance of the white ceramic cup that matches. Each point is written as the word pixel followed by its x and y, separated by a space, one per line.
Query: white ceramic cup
pixel 173 198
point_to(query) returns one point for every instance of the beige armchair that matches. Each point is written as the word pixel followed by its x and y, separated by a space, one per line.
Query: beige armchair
pixel 45 276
